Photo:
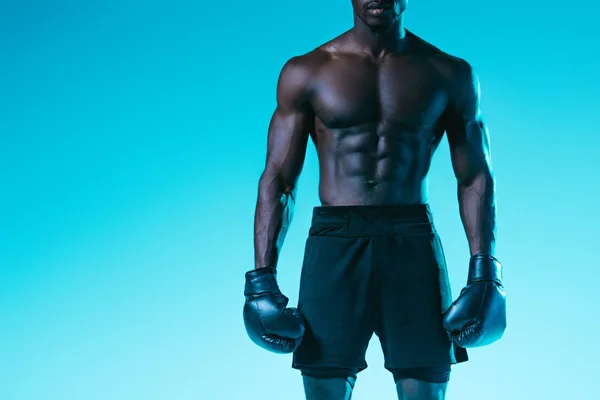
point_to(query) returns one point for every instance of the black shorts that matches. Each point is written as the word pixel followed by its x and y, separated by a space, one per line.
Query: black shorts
pixel 375 269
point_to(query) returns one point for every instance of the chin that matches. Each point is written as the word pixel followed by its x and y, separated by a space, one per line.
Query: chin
pixel 376 23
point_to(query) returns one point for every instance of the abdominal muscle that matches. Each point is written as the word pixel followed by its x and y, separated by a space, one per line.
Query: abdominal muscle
pixel 367 167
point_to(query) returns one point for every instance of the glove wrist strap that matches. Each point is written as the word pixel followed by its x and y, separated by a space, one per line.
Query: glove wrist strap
pixel 261 281
pixel 485 268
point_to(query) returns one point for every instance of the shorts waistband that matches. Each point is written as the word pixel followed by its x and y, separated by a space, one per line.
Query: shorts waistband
pixel 353 221
pixel 409 211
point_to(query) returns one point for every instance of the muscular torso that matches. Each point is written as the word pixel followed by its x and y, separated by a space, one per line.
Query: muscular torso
pixel 377 123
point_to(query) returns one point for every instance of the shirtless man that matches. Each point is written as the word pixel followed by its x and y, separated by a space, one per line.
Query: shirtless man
pixel 376 102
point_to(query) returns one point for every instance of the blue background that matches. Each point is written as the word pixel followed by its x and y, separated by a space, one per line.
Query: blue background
pixel 132 138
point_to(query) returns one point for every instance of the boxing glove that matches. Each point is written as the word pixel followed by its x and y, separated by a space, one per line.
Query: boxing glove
pixel 269 323
pixel 478 316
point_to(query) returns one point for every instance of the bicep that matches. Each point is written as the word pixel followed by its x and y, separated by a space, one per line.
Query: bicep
pixel 469 148
pixel 286 144
pixel 290 125
pixel 467 132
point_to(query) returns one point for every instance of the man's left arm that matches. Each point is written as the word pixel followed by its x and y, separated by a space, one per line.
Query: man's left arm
pixel 469 142
pixel 478 316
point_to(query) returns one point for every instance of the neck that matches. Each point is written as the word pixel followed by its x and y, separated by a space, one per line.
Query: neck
pixel 378 42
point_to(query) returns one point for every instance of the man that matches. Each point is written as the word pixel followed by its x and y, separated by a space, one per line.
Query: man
pixel 376 102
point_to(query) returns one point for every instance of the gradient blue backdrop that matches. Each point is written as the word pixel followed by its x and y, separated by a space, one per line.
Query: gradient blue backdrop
pixel 132 138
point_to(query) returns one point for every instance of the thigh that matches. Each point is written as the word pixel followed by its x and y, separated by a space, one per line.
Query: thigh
pixel 413 389
pixel 414 291
pixel 335 302
pixel 328 388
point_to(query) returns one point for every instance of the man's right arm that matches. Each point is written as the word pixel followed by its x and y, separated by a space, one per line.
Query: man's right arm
pixel 286 150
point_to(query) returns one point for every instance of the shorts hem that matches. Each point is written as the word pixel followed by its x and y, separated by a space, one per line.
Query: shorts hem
pixel 306 368
pixel 422 364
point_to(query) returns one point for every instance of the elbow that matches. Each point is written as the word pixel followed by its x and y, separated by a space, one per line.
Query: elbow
pixel 482 178
pixel 274 183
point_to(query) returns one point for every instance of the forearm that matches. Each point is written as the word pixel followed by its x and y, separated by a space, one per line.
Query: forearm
pixel 274 212
pixel 477 203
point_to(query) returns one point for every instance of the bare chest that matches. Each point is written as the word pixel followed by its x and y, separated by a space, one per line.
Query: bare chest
pixel 354 92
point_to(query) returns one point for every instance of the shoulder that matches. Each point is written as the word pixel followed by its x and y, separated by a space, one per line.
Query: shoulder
pixel 301 67
pixel 296 76
pixel 456 73
pixel 448 65
pixel 294 86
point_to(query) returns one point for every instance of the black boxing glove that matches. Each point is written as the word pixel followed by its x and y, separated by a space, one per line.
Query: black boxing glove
pixel 478 316
pixel 268 322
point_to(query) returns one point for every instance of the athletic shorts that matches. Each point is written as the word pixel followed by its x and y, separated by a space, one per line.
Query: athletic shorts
pixel 375 269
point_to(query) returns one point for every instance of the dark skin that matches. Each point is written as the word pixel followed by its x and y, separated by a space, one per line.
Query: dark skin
pixel 376 102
